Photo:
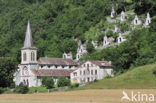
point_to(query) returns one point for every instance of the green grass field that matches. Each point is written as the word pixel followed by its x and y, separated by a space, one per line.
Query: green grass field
pixel 136 78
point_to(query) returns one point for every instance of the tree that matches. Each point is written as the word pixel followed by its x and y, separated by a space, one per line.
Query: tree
pixel 48 82
pixel 21 89
pixel 62 81
pixel 8 67
pixel 90 47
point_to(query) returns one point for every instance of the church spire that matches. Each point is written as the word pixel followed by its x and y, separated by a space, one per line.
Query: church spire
pixel 28 38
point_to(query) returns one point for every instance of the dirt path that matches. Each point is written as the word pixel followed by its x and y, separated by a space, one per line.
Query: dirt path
pixel 81 96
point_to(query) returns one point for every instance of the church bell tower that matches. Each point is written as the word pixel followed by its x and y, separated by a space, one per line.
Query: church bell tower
pixel 28 52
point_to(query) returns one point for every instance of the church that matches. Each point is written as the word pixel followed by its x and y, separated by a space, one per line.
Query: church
pixel 31 70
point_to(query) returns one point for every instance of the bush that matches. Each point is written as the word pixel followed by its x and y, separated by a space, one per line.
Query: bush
pixel 62 81
pixel 12 85
pixel 48 82
pixel 21 89
pixel 95 80
pixel 1 90
pixel 108 77
pixel 74 85
pixel 154 72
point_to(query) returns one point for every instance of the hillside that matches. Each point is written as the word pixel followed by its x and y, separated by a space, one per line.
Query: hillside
pixel 138 78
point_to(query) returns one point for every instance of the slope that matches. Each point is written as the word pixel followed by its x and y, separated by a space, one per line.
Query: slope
pixel 137 78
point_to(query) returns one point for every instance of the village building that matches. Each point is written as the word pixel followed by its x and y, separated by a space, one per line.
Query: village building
pixel 91 71
pixel 31 70
pixel 107 41
pixel 121 38
pixel 123 16
pixel 113 13
pixel 67 55
pixel 80 51
pixel 136 21
pixel 148 20
pixel 116 29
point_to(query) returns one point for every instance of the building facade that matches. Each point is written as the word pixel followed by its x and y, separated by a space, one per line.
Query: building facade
pixel 91 71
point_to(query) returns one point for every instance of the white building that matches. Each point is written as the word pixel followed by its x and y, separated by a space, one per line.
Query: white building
pixel 113 13
pixel 148 20
pixel 67 55
pixel 136 21
pixel 107 41
pixel 92 70
pixel 80 51
pixel 31 70
pixel 121 38
pixel 116 29
pixel 123 16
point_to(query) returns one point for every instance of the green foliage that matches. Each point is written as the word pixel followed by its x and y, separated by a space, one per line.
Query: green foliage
pixel 38 89
pixel 62 81
pixel 107 77
pixel 2 90
pixel 48 82
pixel 143 6
pixel 90 47
pixel 21 89
pixel 7 69
pixel 12 85
pixel 95 80
pixel 154 72
pixel 53 23
pixel 74 85
pixel 153 25
pixel 124 27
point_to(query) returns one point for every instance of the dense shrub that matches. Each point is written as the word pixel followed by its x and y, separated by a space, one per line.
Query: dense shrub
pixel 74 85
pixel 7 68
pixel 1 90
pixel 90 47
pixel 21 89
pixel 48 82
pixel 154 72
pixel 12 85
pixel 108 77
pixel 62 81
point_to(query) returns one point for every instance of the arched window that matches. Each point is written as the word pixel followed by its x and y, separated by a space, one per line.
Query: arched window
pixel 136 21
pixel 32 56
pixel 24 56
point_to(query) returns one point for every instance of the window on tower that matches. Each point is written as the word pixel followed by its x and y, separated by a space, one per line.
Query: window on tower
pixel 32 56
pixel 24 56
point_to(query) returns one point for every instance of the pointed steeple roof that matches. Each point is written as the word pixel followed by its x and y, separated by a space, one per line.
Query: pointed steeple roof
pixel 28 38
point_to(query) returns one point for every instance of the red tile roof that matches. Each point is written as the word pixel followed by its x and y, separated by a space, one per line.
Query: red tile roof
pixel 53 72
pixel 102 63
pixel 56 61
